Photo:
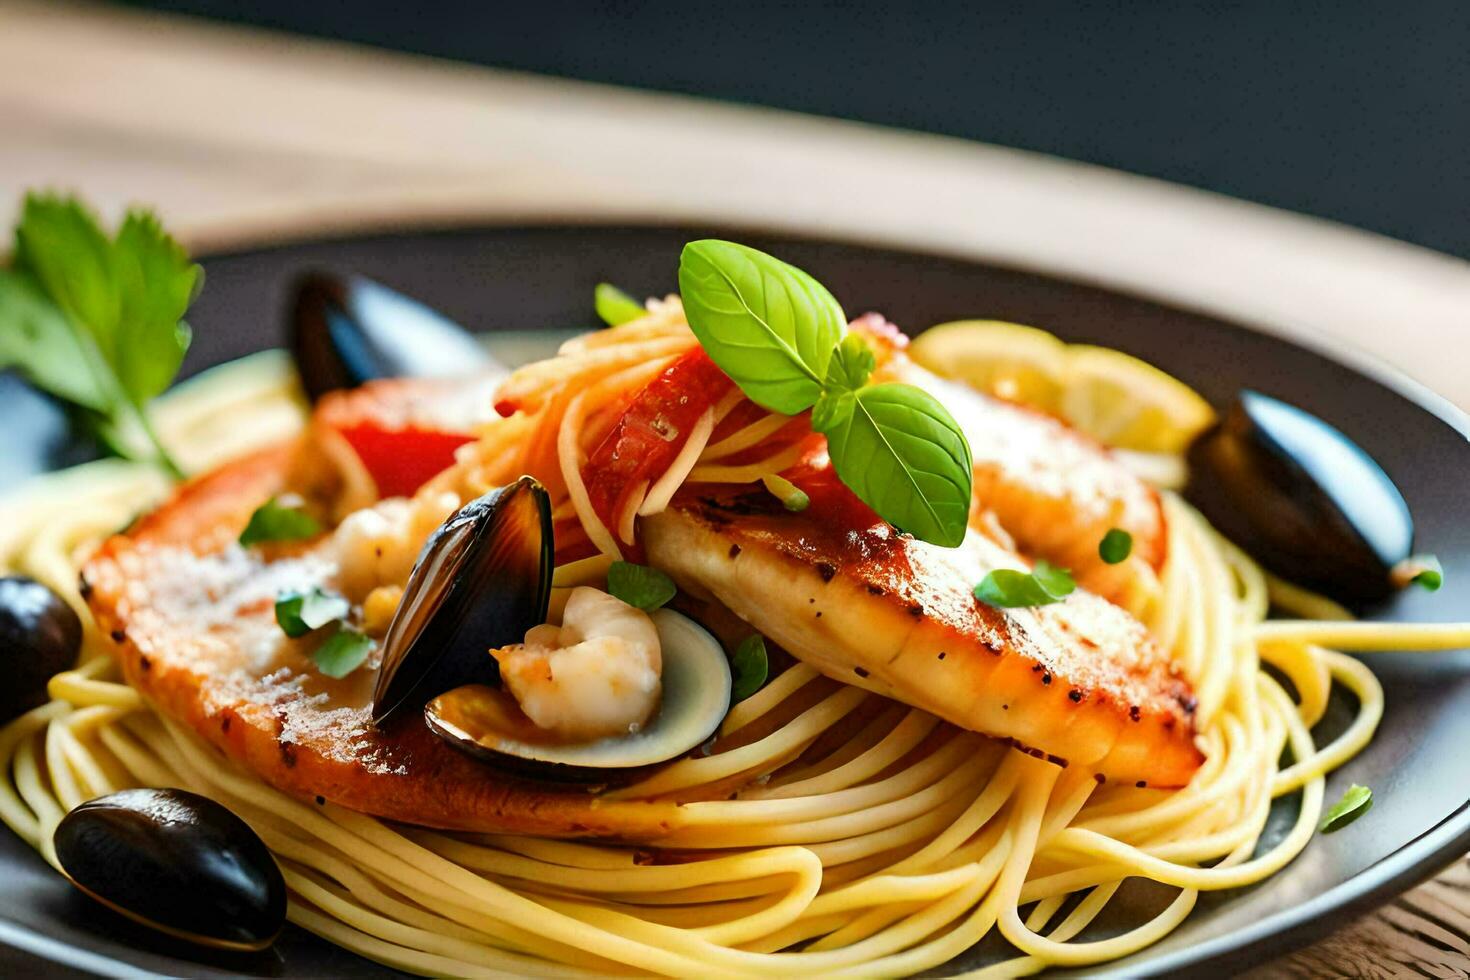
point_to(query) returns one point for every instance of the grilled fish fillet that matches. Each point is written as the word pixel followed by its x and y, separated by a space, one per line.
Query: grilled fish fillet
pixel 192 617
pixel 1078 682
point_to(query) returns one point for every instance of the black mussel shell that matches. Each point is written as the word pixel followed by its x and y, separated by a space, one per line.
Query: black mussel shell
pixel 482 580
pixel 177 862
pixel 1302 498
pixel 345 331
pixel 40 636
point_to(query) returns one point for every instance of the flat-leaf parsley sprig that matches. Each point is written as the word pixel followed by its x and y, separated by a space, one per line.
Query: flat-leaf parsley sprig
pixel 95 320
pixel 782 337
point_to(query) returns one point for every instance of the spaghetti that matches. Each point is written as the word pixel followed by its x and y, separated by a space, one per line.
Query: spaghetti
pixel 876 839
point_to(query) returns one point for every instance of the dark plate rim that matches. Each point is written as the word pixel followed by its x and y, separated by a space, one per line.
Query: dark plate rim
pixel 1269 938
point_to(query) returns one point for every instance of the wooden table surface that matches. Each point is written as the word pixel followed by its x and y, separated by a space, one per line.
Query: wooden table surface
pixel 241 137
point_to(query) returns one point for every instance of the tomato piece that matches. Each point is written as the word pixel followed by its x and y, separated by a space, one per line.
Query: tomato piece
pixel 651 431
pixel 394 429
pixel 402 459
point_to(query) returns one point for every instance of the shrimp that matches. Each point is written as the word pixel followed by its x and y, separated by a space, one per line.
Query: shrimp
pixel 595 675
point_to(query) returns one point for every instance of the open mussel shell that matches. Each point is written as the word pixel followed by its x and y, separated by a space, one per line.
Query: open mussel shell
pixel 485 721
pixel 482 580
pixel 177 862
pixel 349 330
pixel 1302 498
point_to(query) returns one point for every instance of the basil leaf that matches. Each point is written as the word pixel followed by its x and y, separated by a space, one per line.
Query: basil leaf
pixel 851 365
pixel 638 585
pixel 751 667
pixel 60 244
pixel 1010 588
pixel 615 306
pixel 1115 546
pixel 156 282
pixel 1357 801
pixel 901 452
pixel 40 340
pixel 343 653
pixel 768 325
pixel 275 521
pixel 298 613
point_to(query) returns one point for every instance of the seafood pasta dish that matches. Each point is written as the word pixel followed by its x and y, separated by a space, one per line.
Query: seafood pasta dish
pixel 742 637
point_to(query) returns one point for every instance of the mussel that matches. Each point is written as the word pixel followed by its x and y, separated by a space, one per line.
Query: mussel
pixel 345 331
pixel 1302 498
pixel 486 722
pixel 40 635
pixel 178 862
pixel 482 579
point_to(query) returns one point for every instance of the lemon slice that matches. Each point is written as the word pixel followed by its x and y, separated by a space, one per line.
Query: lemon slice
pixel 1008 360
pixel 1130 404
pixel 1114 397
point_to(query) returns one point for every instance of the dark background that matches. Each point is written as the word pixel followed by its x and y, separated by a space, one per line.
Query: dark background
pixel 1349 110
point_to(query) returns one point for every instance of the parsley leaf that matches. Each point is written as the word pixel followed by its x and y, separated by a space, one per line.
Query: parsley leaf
pixel 1115 546
pixel 1009 588
pixel 298 613
pixel 95 320
pixel 638 585
pixel 276 520
pixel 751 667
pixel 1357 801
pixel 615 306
pixel 343 652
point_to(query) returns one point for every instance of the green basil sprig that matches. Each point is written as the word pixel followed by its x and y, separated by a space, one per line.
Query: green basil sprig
pixel 781 336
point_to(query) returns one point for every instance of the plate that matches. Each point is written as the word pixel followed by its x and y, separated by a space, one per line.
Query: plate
pixel 540 278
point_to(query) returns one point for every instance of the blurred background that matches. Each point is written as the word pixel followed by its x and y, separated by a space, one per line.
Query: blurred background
pixel 1354 111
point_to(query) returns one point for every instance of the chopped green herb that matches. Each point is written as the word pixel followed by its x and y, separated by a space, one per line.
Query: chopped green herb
pixel 615 306
pixel 1424 571
pixel 1115 546
pixel 277 521
pixel 792 497
pixel 1357 801
pixel 98 321
pixel 299 613
pixel 779 335
pixel 1008 588
pixel 343 653
pixel 751 666
pixel 638 585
